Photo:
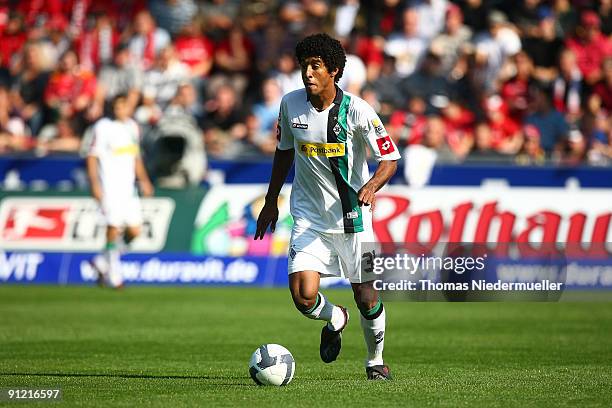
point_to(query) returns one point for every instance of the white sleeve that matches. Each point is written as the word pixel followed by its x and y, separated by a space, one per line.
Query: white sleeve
pixel 97 144
pixel 136 130
pixel 283 130
pixel 376 136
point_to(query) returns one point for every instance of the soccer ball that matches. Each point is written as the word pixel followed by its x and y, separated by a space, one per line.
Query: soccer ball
pixel 272 364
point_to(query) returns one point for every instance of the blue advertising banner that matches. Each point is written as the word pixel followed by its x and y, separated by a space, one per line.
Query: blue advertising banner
pixel 69 171
pixel 159 269
pixel 263 271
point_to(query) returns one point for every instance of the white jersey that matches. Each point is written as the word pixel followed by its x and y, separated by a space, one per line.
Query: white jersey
pixel 116 145
pixel 330 159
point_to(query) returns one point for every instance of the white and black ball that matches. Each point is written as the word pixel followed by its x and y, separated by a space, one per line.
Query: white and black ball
pixel 272 364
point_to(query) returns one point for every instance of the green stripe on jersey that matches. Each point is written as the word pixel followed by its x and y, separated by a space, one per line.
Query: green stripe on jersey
pixel 337 127
pixel 343 164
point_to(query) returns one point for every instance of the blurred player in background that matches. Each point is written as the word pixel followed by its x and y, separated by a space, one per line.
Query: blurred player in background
pixel 327 132
pixel 113 165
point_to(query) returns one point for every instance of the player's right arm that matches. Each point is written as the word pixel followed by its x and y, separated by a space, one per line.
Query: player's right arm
pixel 283 160
pixel 94 180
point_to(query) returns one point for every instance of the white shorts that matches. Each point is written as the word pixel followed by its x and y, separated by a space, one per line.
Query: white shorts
pixel 119 213
pixel 331 254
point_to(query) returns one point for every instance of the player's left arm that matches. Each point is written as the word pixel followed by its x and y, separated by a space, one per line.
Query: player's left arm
pixel 385 170
pixel 146 187
pixel 144 182
pixel 383 150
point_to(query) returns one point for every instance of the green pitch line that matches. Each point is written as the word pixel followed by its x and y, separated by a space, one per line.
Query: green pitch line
pixel 163 347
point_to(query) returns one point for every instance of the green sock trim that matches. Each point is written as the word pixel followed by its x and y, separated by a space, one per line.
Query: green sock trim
pixel 373 310
pixel 110 245
pixel 317 303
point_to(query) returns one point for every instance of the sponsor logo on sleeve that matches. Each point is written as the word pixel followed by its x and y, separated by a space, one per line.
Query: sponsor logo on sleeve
pixel 299 125
pixel 322 149
pixel 385 145
pixel 278 127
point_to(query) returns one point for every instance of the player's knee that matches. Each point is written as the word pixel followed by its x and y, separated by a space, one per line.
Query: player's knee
pixel 130 234
pixel 366 305
pixel 112 233
pixel 303 301
pixel 365 299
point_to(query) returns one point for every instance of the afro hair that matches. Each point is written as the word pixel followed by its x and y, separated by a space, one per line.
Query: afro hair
pixel 322 45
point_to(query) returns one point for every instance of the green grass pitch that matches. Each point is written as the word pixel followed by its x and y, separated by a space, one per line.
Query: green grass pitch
pixel 152 346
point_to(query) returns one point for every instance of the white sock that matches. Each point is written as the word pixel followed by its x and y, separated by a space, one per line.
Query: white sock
pixel 326 310
pixel 113 259
pixel 374 336
pixel 100 262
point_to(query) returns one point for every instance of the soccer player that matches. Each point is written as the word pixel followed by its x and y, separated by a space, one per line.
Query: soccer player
pixel 326 131
pixel 113 166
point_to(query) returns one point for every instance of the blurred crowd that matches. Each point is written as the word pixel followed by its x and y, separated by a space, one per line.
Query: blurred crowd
pixel 527 82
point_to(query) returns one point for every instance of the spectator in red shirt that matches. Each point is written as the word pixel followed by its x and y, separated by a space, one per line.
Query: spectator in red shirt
pixel 370 50
pixel 515 91
pixel 590 46
pixel 95 46
pixel 12 40
pixel 234 59
pixel 194 49
pixel 148 40
pixel 121 12
pixel 602 91
pixel 459 123
pixel 407 126
pixel 32 10
pixel 4 15
pixel 70 90
pixel 505 132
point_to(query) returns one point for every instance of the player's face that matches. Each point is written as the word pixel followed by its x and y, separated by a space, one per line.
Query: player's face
pixel 121 109
pixel 315 75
